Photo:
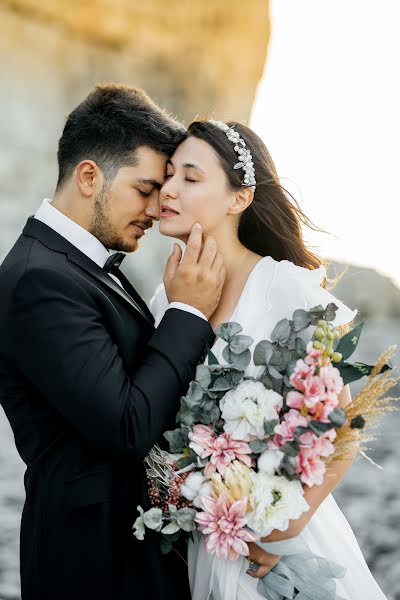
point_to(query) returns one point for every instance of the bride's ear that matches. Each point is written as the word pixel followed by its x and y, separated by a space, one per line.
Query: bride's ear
pixel 241 200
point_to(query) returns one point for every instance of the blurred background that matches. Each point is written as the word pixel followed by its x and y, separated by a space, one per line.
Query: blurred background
pixel 315 78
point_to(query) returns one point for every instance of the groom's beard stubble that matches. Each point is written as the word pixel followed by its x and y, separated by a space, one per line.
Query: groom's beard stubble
pixel 102 227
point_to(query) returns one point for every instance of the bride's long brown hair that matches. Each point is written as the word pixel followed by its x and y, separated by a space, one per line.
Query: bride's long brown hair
pixel 271 225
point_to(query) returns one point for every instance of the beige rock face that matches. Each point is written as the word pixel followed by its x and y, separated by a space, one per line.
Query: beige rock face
pixel 192 57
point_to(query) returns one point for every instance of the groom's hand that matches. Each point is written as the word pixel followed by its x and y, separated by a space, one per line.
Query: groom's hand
pixel 196 279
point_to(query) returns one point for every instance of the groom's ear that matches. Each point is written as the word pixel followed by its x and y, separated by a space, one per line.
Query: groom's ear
pixel 89 178
pixel 241 200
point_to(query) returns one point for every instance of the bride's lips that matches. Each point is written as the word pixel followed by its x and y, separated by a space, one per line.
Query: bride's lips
pixel 166 212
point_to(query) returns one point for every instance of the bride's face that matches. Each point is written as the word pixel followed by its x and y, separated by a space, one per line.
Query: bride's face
pixel 195 191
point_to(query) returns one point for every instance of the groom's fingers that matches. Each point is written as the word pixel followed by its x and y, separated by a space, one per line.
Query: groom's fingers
pixel 193 247
pixel 208 253
pixel 173 263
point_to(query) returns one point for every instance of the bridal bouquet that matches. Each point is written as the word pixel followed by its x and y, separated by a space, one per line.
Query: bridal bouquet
pixel 244 448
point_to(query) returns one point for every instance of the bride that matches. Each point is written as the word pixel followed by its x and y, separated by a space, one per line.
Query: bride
pixel 224 178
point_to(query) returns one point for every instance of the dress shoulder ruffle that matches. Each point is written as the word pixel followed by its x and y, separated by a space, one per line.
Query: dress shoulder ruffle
pixel 310 291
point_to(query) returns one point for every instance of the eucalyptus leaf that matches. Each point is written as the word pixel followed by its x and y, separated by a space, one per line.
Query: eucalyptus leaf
pixel 215 414
pixel 203 375
pixel 266 381
pixel 240 343
pixel 316 313
pixel 337 417
pixel 185 519
pixel 269 426
pixel 239 361
pixel 194 395
pixel 281 332
pixel 287 468
pixel 212 359
pixel 257 446
pixel 177 439
pixel 165 545
pixel 153 518
pixel 263 353
pixel 300 346
pixel 290 448
pixel 330 312
pixel 185 416
pixel 227 331
pixel 171 528
pixel 301 319
pixel 274 373
pixel 299 431
pixel 185 461
pixel 348 343
pixel 318 427
pixel 228 381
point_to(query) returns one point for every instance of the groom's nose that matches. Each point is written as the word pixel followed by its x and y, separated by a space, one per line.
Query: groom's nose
pixel 152 210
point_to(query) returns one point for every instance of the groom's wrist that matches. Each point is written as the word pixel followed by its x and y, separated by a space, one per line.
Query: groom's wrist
pixel 187 308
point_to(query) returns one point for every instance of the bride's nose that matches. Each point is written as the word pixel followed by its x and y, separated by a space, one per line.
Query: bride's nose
pixel 169 189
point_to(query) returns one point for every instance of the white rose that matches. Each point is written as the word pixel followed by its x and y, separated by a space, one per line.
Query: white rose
pixel 245 409
pixel 193 482
pixel 269 461
pixel 274 501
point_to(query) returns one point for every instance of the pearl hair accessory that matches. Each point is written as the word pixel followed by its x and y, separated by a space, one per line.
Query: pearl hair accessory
pixel 244 155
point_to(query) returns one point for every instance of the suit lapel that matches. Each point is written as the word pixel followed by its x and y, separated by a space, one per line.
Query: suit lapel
pixel 134 295
pixel 50 238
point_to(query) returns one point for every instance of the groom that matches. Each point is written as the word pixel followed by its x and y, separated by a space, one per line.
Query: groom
pixel 87 383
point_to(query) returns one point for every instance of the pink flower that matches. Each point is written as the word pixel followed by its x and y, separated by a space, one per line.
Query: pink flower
pixel 309 464
pixel 332 381
pixel 301 372
pixel 314 356
pixel 223 523
pixel 313 392
pixel 295 400
pixel 284 432
pixel 222 450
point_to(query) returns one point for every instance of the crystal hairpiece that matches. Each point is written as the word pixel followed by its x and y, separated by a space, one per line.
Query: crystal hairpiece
pixel 244 155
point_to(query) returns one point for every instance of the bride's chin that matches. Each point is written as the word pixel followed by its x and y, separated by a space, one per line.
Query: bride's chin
pixel 170 231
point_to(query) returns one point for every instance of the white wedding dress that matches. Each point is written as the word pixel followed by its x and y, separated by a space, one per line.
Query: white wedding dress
pixel 272 292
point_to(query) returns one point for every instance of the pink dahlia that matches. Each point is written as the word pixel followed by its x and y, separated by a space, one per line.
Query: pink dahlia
pixel 222 450
pixel 223 523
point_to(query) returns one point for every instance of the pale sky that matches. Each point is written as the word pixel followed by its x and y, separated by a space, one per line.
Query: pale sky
pixel 328 110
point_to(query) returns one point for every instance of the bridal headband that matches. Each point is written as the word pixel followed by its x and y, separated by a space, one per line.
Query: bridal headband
pixel 244 155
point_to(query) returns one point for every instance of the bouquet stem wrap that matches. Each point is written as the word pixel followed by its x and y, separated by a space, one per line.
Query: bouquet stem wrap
pixel 300 574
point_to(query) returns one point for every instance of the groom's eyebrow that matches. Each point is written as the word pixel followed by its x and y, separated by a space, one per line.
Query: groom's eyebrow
pixel 152 182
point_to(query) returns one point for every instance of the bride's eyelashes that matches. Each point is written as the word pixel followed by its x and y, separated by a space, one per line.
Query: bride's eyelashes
pixel 168 176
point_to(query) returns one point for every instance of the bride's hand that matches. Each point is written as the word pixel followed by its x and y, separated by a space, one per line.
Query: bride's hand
pixel 261 557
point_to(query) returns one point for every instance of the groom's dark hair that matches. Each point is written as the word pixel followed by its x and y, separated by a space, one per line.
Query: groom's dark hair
pixel 109 125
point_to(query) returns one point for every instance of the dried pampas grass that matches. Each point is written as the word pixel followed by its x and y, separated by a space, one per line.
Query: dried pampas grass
pixel 371 403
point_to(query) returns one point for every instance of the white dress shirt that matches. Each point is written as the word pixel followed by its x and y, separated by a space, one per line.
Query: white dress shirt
pixel 88 244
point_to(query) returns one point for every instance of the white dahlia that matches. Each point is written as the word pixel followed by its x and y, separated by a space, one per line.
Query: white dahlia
pixel 274 501
pixel 245 409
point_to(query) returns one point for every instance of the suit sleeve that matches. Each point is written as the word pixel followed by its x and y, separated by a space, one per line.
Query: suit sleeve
pixel 60 343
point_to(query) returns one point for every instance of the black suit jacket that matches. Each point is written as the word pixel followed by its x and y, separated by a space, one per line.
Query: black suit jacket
pixel 88 386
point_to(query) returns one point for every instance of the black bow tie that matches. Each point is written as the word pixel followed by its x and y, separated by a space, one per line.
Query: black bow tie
pixel 113 262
